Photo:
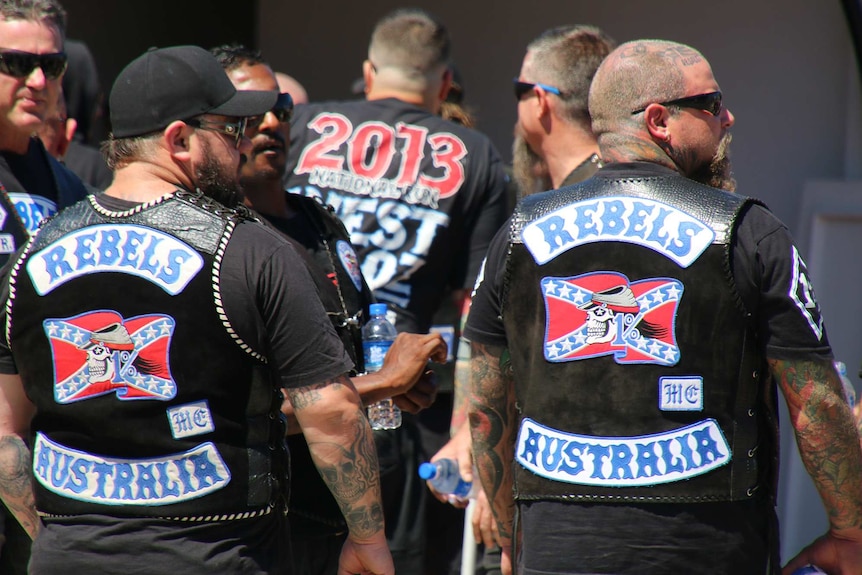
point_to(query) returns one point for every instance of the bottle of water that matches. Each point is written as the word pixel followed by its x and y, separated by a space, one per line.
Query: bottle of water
pixel 377 337
pixel 808 570
pixel 445 479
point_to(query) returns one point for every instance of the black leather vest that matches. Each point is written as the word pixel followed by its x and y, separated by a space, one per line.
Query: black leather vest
pixel 636 367
pixel 149 403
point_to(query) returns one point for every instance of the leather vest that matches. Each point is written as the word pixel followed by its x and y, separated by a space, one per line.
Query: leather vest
pixel 637 372
pixel 149 403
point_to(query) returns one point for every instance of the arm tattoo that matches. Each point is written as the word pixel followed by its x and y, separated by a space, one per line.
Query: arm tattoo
pixel 302 397
pixel 16 488
pixel 493 422
pixel 352 474
pixel 826 435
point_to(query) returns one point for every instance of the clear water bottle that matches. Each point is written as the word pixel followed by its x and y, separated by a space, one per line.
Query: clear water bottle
pixel 849 390
pixel 445 479
pixel 377 337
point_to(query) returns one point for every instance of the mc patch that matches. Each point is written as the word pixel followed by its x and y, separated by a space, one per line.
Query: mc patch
pixel 98 352
pixel 602 313
pixel 33 210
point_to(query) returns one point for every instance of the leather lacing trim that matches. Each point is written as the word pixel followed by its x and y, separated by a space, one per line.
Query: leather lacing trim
pixel 192 518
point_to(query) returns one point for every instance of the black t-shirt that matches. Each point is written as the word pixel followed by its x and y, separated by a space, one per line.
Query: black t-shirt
pixel 272 304
pixel 657 539
pixel 420 196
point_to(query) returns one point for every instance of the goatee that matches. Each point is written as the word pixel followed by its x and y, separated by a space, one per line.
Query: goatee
pixel 718 173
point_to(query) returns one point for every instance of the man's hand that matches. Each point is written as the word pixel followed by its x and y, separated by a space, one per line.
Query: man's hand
pixel 420 396
pixel 837 553
pixel 408 358
pixel 484 525
pixel 369 557
pixel 459 449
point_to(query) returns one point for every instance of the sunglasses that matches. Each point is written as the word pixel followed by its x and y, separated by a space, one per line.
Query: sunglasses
pixel 234 130
pixel 282 110
pixel 710 102
pixel 522 88
pixel 21 64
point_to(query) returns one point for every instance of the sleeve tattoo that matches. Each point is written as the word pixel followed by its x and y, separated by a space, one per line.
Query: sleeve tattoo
pixel 826 435
pixel 16 488
pixel 493 422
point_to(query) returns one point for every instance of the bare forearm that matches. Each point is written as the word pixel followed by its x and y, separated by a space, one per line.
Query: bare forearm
pixel 826 436
pixel 493 422
pixel 462 389
pixel 16 488
pixel 342 447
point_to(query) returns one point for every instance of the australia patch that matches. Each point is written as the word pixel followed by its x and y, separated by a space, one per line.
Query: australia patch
pixel 603 313
pixel 349 261
pixel 99 352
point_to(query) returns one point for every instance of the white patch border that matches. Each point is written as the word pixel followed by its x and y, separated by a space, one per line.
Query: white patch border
pixel 683 379
pixel 528 425
pixel 43 283
pixel 534 238
pixel 207 448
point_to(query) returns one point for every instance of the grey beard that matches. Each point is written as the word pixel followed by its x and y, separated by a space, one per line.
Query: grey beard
pixel 528 169
pixel 719 172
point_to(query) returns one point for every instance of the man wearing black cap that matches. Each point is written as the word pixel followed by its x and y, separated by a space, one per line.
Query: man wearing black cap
pixel 152 328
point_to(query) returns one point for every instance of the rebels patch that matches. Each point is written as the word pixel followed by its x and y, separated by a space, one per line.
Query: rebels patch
pixel 32 209
pixel 99 352
pixel 655 225
pixel 602 313
pixel 130 249
pixel 111 481
pixel 674 455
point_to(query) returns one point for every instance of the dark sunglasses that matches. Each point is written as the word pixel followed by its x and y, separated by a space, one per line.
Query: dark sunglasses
pixel 21 64
pixel 710 102
pixel 522 88
pixel 282 110
pixel 235 130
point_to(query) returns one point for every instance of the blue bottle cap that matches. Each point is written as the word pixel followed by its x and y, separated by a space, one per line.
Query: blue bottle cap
pixel 427 470
pixel 377 309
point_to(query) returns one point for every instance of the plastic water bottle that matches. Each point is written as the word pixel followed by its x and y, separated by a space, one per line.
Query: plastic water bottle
pixel 849 390
pixel 808 570
pixel 377 337
pixel 445 479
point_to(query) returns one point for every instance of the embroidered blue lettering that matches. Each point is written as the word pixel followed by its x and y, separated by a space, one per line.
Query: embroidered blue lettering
pixel 555 234
pixel 584 219
pixel 612 218
pixel 637 221
pixel 675 455
pixel 84 251
pixel 660 227
pixel 87 477
pixel 125 248
pixel 681 244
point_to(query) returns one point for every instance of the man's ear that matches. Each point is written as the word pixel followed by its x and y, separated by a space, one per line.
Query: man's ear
pixel 176 138
pixel 656 119
pixel 368 74
pixel 445 84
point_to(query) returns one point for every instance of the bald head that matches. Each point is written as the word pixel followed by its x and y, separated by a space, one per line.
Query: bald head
pixel 291 85
pixel 637 73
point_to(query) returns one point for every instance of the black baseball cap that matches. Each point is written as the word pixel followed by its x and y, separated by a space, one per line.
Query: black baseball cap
pixel 177 83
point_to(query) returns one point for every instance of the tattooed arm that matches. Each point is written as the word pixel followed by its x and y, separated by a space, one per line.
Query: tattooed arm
pixel 830 450
pixel 493 425
pixel 16 489
pixel 341 445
